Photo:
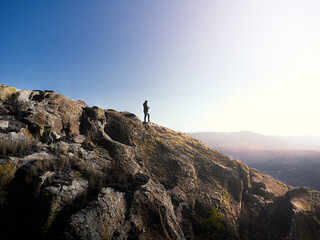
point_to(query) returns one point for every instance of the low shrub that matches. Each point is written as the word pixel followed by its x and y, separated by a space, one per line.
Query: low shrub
pixel 212 227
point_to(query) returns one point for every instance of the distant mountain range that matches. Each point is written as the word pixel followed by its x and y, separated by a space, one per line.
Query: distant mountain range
pixel 251 141
pixel 292 160
pixel 306 142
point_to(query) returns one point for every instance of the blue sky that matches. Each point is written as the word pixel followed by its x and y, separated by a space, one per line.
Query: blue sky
pixel 203 65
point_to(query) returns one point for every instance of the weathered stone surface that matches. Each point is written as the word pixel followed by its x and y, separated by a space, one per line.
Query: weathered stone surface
pixel 104 217
pixel 4 124
pixel 69 171
pixel 6 92
pixel 23 95
pixel 45 109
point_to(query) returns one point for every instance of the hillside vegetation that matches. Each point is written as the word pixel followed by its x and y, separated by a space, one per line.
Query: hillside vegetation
pixel 70 171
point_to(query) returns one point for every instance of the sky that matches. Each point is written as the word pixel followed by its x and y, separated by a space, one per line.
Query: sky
pixel 205 65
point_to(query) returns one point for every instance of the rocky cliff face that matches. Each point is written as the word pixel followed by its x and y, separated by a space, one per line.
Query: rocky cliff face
pixel 69 171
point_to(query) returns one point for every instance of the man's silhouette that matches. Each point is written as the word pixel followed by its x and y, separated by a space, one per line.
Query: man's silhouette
pixel 145 110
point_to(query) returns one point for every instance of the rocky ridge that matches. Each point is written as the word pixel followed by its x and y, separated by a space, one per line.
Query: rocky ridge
pixel 70 171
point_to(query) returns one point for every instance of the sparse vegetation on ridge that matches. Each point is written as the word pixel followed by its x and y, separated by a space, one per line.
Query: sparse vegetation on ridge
pixel 105 174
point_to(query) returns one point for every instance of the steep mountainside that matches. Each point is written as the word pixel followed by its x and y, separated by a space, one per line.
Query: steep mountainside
pixel 69 171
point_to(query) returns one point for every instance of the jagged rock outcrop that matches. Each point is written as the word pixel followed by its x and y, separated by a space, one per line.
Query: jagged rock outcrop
pixel 70 171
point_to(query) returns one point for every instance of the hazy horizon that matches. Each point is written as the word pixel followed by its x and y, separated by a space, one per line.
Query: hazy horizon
pixel 271 135
pixel 257 141
pixel 219 66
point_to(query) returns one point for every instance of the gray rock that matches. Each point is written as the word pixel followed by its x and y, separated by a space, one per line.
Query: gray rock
pixel 4 124
pixel 101 218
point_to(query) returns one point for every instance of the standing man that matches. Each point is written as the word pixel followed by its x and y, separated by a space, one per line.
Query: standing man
pixel 145 110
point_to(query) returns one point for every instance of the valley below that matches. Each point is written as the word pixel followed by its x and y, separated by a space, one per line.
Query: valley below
pixel 284 158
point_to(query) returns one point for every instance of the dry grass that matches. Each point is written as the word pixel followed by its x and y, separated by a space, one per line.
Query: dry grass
pixel 64 159
pixel 33 171
pixel 13 143
pixel 91 173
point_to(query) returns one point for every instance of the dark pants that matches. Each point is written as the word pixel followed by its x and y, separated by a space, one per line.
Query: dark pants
pixel 145 116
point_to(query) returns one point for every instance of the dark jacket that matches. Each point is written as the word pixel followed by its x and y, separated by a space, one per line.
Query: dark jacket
pixel 145 107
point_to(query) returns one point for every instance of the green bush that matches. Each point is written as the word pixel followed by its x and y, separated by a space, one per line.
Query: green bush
pixel 212 228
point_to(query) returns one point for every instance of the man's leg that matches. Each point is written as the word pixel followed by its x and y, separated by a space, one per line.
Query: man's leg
pixel 145 116
pixel 148 117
